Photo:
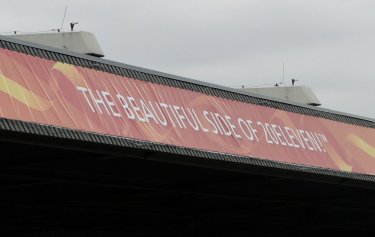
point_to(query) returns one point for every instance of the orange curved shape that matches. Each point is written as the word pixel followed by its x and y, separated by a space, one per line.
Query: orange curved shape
pixel 23 95
pixel 284 118
pixel 70 72
pixel 361 144
pixel 337 159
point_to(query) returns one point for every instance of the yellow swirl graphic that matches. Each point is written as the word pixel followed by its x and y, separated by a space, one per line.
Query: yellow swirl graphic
pixel 361 144
pixel 337 159
pixel 284 118
pixel 23 95
pixel 70 72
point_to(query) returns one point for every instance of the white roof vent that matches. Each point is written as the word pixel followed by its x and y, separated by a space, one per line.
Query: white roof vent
pixel 76 41
pixel 296 94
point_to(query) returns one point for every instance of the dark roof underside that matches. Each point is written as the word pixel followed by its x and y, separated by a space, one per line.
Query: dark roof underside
pixel 69 183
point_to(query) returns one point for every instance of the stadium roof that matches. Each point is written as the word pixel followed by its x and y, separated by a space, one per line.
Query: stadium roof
pixel 61 177
pixel 142 74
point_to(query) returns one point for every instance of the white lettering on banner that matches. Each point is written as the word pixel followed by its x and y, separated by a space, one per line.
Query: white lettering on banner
pixel 232 127
pixel 125 106
pixel 98 101
pixel 180 117
pixel 195 126
pixel 136 109
pixel 162 121
pixel 312 140
pixel 147 112
pixel 247 129
pixel 110 104
pixel 84 90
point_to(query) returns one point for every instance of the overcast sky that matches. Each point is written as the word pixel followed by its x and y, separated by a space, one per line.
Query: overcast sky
pixel 328 45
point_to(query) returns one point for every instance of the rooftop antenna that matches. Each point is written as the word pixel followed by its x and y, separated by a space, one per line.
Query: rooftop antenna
pixel 72 24
pixel 62 24
pixel 293 81
pixel 282 81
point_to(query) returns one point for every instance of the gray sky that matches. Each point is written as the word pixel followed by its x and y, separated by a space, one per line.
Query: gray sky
pixel 328 45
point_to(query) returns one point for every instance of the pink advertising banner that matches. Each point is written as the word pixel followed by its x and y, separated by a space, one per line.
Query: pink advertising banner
pixel 54 93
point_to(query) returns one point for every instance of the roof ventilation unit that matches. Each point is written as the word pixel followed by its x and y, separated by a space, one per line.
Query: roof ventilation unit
pixel 76 41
